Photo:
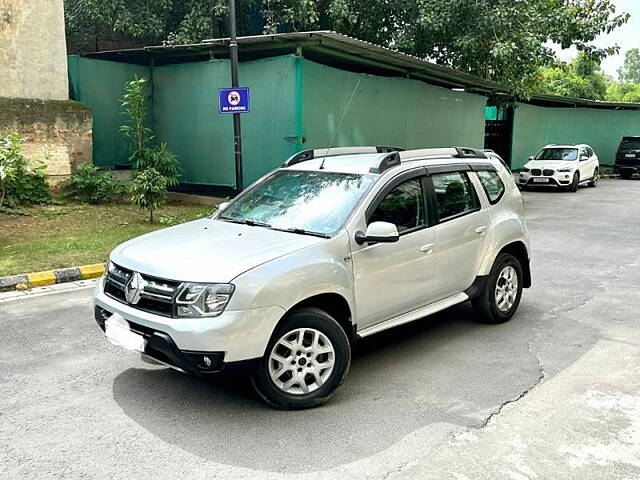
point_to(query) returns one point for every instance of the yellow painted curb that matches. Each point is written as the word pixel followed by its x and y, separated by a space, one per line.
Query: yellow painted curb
pixel 92 271
pixel 38 279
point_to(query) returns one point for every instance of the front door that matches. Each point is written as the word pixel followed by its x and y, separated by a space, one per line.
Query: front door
pixel 395 278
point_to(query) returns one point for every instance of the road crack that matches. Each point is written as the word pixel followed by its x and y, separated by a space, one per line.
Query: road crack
pixel 541 376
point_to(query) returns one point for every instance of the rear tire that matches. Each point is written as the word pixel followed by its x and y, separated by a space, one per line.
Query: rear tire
pixel 576 182
pixel 594 181
pixel 306 360
pixel 501 294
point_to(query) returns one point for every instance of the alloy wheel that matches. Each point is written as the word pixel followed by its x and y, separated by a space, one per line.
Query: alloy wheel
pixel 301 361
pixel 506 288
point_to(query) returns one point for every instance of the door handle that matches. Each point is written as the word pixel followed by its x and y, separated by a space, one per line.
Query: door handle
pixel 481 230
pixel 428 248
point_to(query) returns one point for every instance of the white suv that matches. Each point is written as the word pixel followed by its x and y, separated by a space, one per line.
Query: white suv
pixel 336 245
pixel 565 166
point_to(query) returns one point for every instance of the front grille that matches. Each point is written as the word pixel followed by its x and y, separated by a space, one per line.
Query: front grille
pixel 157 295
pixel 547 172
pixel 536 172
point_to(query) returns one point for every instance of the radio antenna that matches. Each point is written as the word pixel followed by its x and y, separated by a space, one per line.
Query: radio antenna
pixel 344 114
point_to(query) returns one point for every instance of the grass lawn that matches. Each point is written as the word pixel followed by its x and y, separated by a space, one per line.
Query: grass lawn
pixel 76 234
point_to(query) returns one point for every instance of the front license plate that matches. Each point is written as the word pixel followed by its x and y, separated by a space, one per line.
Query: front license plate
pixel 630 155
pixel 118 332
pixel 540 180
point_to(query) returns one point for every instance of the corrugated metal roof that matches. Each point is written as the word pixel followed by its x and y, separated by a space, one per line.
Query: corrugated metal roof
pixel 341 51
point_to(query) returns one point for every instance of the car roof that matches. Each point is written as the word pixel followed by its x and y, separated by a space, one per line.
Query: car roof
pixel 567 145
pixel 368 163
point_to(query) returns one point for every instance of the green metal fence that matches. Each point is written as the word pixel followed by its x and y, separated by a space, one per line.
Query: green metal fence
pixel 535 127
pixel 388 111
pixel 297 103
pixel 100 85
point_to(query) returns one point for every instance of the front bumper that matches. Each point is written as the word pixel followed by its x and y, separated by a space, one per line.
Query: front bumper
pixel 558 179
pixel 235 335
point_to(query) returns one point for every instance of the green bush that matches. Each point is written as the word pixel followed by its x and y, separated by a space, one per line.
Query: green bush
pixel 149 190
pixel 91 185
pixel 22 181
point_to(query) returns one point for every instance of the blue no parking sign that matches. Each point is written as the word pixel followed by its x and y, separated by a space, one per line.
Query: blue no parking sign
pixel 233 100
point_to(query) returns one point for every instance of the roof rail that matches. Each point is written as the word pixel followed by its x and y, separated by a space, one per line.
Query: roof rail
pixel 466 152
pixel 390 160
pixel 451 152
pixel 310 154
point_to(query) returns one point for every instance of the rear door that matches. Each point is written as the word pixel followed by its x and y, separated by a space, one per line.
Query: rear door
pixel 462 227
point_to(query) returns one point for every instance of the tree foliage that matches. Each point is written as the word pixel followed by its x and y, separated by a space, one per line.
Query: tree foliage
pixel 502 40
pixel 630 71
pixel 149 191
pixel 581 78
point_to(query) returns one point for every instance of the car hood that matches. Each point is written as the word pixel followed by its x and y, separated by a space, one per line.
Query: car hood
pixel 207 250
pixel 554 164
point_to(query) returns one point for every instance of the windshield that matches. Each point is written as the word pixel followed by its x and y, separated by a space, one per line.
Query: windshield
pixel 558 154
pixel 304 201
pixel 630 143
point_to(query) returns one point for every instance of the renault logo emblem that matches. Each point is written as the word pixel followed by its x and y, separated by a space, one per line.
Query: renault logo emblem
pixel 134 288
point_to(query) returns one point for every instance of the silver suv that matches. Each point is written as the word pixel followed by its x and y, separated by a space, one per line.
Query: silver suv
pixel 335 245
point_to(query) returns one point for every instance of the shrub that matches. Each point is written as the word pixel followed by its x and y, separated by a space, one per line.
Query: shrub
pixel 149 190
pixel 22 181
pixel 91 185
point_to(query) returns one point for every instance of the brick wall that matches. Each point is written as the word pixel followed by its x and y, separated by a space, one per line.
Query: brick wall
pixel 58 132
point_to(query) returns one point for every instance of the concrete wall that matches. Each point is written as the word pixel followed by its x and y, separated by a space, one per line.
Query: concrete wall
pixel 33 61
pixel 534 127
pixel 57 132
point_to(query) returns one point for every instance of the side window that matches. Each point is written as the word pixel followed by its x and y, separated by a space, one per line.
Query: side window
pixel 402 206
pixel 492 184
pixel 454 194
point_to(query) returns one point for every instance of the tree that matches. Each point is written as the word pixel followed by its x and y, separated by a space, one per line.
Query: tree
pixel 581 78
pixel 501 40
pixel 630 71
pixel 624 92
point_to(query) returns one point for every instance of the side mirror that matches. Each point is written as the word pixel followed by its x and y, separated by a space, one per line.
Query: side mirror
pixel 531 157
pixel 222 206
pixel 584 158
pixel 378 232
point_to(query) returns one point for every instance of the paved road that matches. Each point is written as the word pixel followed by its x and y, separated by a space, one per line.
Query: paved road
pixel 555 393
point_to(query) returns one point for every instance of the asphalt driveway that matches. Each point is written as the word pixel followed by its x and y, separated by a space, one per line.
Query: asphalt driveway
pixel 553 393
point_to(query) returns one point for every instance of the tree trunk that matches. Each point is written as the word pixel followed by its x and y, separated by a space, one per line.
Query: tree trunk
pixel 150 216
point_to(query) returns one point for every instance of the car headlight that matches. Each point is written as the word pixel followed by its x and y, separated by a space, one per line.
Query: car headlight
pixel 202 299
pixel 565 169
pixel 524 170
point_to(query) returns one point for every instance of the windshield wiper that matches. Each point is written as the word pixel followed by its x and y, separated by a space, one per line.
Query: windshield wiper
pixel 251 223
pixel 301 231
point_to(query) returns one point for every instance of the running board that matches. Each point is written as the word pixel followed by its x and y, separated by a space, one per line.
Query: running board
pixel 415 314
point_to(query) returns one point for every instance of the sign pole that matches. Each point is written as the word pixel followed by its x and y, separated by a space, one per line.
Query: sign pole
pixel 233 54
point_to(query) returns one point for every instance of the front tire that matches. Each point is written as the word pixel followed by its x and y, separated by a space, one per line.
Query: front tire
pixel 501 294
pixel 626 174
pixel 576 181
pixel 306 360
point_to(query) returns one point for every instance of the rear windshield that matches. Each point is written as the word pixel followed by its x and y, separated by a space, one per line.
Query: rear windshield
pixel 558 154
pixel 630 143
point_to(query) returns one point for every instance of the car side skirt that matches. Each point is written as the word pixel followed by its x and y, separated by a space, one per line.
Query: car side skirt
pixel 415 314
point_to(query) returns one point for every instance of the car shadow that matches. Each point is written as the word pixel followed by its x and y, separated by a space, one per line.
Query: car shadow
pixel 441 369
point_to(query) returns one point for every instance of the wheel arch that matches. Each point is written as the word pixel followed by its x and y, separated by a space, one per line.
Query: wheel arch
pixel 332 303
pixel 519 250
